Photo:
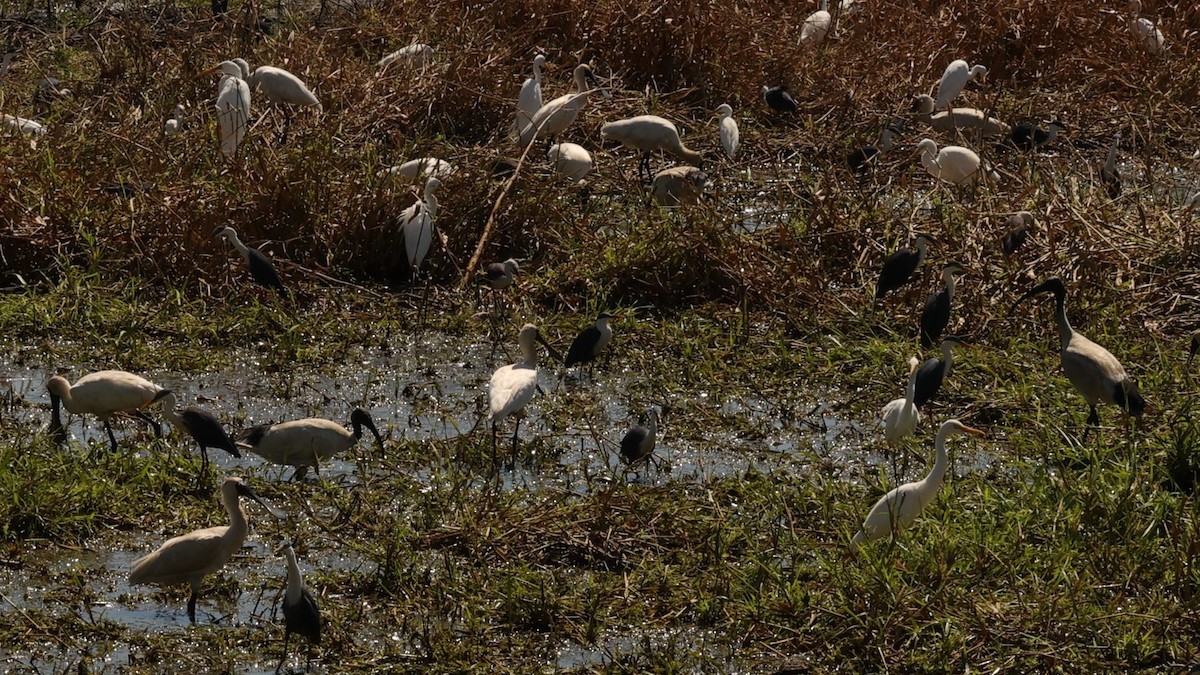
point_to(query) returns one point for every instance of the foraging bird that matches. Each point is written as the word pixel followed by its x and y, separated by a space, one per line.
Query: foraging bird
pixel 779 99
pixel 104 393
pixel 175 122
pixel 861 159
pixel 189 558
pixel 816 26
pixel 953 164
pixel 936 314
pixel 554 117
pixel 1110 175
pixel 590 342
pixel 955 77
pixel 513 386
pixel 417 224
pixel 300 612
pixel 900 416
pixel 233 105
pixel 529 101
pixel 1148 36
pixel 429 167
pixel 282 87
pixel 416 54
pixel 899 267
pixel 1092 369
pixel 679 186
pixel 934 371
pixel 956 119
pixel 307 442
pixel 898 508
pixel 201 425
pixel 637 445
pixel 729 130
pixel 1029 136
pixel 261 269
pixel 19 126
pixel 649 133
pixel 500 275
pixel 570 160
pixel 1017 232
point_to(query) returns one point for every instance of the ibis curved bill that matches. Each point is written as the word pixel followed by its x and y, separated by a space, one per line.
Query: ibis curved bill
pixel 307 442
pixel 897 509
pixel 189 558
pixel 104 393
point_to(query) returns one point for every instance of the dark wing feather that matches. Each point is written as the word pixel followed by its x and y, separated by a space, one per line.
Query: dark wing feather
pixel 631 444
pixel 929 381
pixel 897 270
pixel 262 271
pixel 934 319
pixel 582 349
pixel 253 435
pixel 207 430
pixel 304 618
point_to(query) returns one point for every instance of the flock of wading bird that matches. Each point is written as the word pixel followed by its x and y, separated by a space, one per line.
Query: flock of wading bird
pixel 1095 373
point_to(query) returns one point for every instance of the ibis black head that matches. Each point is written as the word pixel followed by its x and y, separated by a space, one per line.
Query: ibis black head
pixel 1052 285
pixel 245 491
pixel 1128 398
pixel 361 418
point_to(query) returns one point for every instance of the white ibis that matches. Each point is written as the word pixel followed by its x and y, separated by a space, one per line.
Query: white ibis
pixel 936 314
pixel 590 342
pixel 300 612
pixel 174 123
pixel 1017 231
pixel 233 105
pixel 729 130
pixel 1110 175
pixel 500 275
pixel 104 393
pixel 649 133
pixel 958 119
pixel 1029 136
pixel 637 445
pixel 900 416
pixel 1094 371
pixel 1148 36
pixel 816 26
pixel 201 425
pixel 189 558
pixel 307 442
pixel 416 54
pixel 529 101
pixel 679 186
pixel 429 167
pixel 861 159
pixel 417 224
pixel 899 267
pixel 898 508
pixel 570 160
pixel 953 164
pixel 512 387
pixel 262 270
pixel 779 99
pixel 934 371
pixel 955 77
pixel 554 117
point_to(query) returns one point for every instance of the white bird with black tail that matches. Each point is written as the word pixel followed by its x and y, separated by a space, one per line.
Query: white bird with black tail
pixel 954 78
pixel 103 393
pixel 899 267
pixel 262 270
pixel 300 612
pixel 1092 369
pixel 307 442
pixel 189 558
pixel 201 425
pixel 898 508
pixel 936 314
pixel 900 416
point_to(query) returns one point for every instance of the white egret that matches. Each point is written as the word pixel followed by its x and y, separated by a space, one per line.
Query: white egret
pixel 174 123
pixel 429 167
pixel 189 558
pixel 936 314
pixel 262 270
pixel 529 101
pixel 816 26
pixel 417 224
pixel 953 164
pixel 307 442
pixel 283 89
pixel 955 77
pixel 899 267
pixel 416 54
pixel 649 133
pixel 104 393
pixel 201 425
pixel 900 416
pixel 512 387
pixel 729 130
pixel 300 612
pixel 958 119
pixel 570 160
pixel 1148 36
pixel 679 186
pixel 898 508
pixel 233 106
pixel 1092 369
pixel 554 117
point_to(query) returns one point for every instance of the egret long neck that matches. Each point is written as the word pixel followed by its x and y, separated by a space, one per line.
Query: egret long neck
pixel 294 583
pixel 940 463
pixel 537 72
pixel 581 83
pixel 910 391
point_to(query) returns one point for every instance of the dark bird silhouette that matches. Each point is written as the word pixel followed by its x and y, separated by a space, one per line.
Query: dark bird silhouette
pixel 779 99
pixel 1017 232
pixel 936 315
pixel 300 612
pixel 899 267
pixel 202 426
pixel 261 269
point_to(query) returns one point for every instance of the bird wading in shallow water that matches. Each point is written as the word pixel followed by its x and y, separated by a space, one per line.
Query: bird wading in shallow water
pixel 103 394
pixel 300 612
pixel 262 270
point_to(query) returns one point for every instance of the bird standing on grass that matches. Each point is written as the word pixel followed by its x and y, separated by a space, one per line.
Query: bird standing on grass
pixel 189 558
pixel 729 130
pixel 898 508
pixel 201 425
pixel 416 54
pixel 590 343
pixel 1029 136
pixel 262 270
pixel 860 159
pixel 174 123
pixel 233 106
pixel 900 416
pixel 283 89
pixel 300 612
pixel 500 275
pixel 934 371
pixel 954 78
pixel 1148 36
pixel 1092 369
pixel 679 186
pixel 570 160
pixel 899 267
pixel 103 393
pixel 417 224
pixel 1017 233
pixel 816 26
pixel 307 442
pixel 953 164
pixel 958 119
pixel 936 314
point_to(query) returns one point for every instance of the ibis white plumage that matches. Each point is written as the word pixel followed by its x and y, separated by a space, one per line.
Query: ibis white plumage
pixel 415 54
pixel 570 160
pixel 679 186
pixel 816 26
pixel 104 393
pixel 649 133
pixel 283 87
pixel 307 442
pixel 955 77
pixel 900 416
pixel 429 167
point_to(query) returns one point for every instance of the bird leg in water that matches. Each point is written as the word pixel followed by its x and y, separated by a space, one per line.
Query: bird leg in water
pixel 283 657
pixel 516 430
pixel 192 607
pixel 112 439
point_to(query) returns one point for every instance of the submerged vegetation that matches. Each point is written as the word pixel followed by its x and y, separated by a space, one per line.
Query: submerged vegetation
pixel 747 319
